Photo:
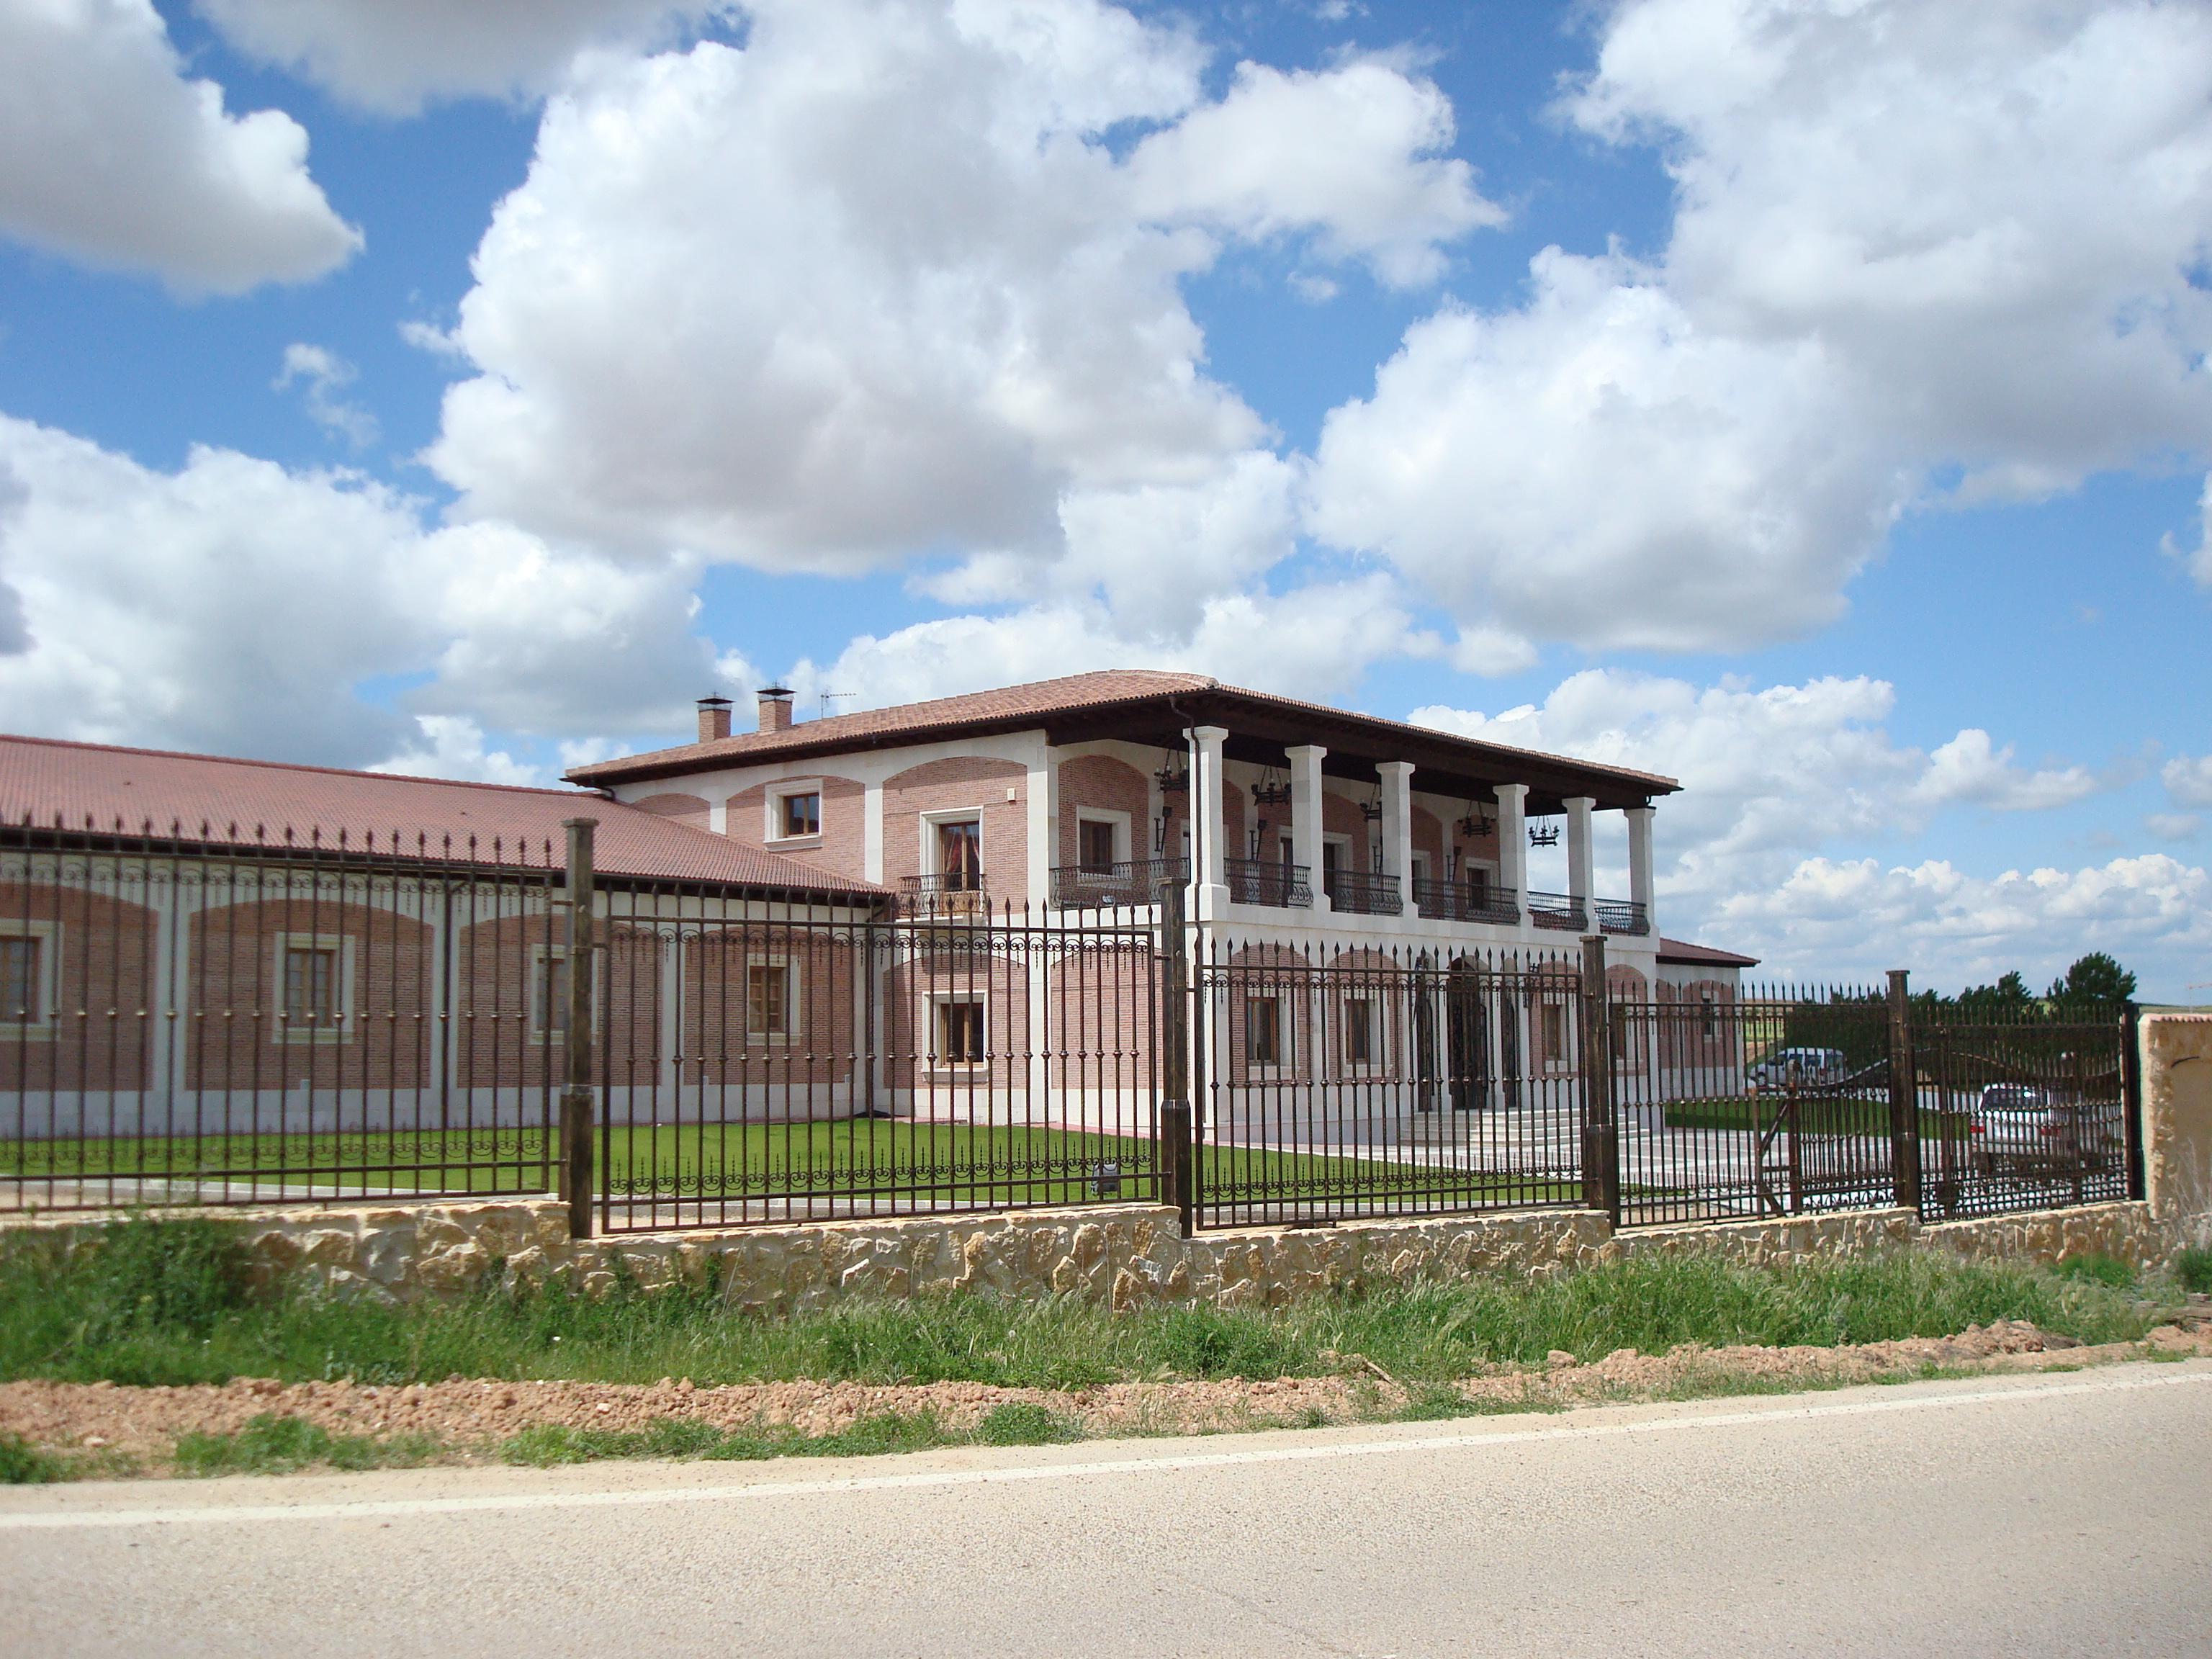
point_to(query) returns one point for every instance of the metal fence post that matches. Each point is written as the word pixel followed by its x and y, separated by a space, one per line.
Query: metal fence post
pixel 2131 1102
pixel 576 1098
pixel 1600 1124
pixel 1904 1096
pixel 1178 1168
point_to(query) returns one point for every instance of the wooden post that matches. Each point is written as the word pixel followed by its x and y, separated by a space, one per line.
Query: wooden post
pixel 577 1138
pixel 1178 1168
pixel 1904 1096
pixel 1600 1126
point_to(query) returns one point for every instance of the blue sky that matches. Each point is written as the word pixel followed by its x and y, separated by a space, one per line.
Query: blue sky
pixel 1807 401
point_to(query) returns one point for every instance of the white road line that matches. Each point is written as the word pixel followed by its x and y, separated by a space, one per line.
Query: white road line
pixel 372 1508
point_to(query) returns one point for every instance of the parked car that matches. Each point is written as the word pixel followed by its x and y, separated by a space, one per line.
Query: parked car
pixel 1809 1068
pixel 2018 1126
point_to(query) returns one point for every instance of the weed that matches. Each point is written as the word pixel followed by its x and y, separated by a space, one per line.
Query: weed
pixel 22 1464
pixel 271 1444
pixel 2194 1268
pixel 1024 1423
pixel 1433 1402
pixel 2096 1268
pixel 548 1444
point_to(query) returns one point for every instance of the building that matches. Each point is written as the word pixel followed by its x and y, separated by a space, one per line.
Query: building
pixel 1088 791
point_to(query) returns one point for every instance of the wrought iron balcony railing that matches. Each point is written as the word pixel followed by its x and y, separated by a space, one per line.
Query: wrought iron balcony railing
pixel 1135 881
pixel 1561 911
pixel 946 893
pixel 1622 916
pixel 1255 881
pixel 1446 901
pixel 1360 893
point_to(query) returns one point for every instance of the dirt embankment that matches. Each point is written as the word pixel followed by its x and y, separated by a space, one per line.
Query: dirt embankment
pixel 469 1419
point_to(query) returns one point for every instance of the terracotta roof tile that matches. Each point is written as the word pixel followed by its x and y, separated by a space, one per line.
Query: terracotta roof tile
pixel 1014 707
pixel 244 801
pixel 1675 950
pixel 916 721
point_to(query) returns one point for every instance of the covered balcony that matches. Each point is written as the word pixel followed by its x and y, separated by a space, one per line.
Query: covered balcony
pixel 1111 885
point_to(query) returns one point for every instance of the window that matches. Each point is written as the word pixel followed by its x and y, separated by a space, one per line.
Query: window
pixel 960 856
pixel 22 981
pixel 1094 846
pixel 1358 1032
pixel 1709 1015
pixel 549 999
pixel 960 1033
pixel 1263 1032
pixel 1553 1016
pixel 311 984
pixel 799 814
pixel 768 999
pixel 1618 1027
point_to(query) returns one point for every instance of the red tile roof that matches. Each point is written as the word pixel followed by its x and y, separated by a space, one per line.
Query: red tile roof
pixel 234 802
pixel 1675 950
pixel 1018 707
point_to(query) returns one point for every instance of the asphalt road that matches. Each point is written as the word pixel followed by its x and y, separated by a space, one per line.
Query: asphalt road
pixel 2060 1514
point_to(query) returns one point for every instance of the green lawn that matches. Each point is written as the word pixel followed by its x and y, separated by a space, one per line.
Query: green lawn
pixel 1820 1117
pixel 857 1159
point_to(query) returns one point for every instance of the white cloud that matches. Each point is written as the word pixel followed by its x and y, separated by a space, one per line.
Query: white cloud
pixel 1595 468
pixel 2188 780
pixel 877 286
pixel 1911 237
pixel 110 157
pixel 454 746
pixel 1311 641
pixel 2173 826
pixel 1778 781
pixel 1971 771
pixel 1858 917
pixel 235 607
pixel 1289 151
pixel 392 55
pixel 326 375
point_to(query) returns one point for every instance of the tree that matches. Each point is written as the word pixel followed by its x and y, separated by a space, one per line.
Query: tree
pixel 2095 980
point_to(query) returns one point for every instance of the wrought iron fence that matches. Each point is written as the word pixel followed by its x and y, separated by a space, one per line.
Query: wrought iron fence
pixel 1108 886
pixel 1360 893
pixel 215 1015
pixel 1341 1081
pixel 210 1017
pixel 800 1064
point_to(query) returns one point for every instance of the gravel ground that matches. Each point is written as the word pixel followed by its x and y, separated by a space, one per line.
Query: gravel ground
pixel 127 1430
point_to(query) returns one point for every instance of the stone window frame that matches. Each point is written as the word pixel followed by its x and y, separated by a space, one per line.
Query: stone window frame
pixel 1124 828
pixel 789 1034
pixel 773 798
pixel 1377 1061
pixel 978 814
pixel 933 1064
pixel 341 1030
pixel 540 954
pixel 48 1023
pixel 1284 1064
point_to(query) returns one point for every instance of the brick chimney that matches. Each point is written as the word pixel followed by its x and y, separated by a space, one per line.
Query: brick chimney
pixel 776 709
pixel 714 719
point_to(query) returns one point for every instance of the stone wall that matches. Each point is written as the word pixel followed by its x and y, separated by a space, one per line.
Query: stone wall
pixel 1127 1255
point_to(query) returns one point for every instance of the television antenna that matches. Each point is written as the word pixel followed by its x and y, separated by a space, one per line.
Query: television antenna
pixel 822 700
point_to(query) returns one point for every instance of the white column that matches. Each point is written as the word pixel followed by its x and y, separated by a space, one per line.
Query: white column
pixel 1305 816
pixel 1043 835
pixel 1513 843
pixel 1639 864
pixel 871 830
pixel 1398 825
pixel 1579 808
pixel 1205 783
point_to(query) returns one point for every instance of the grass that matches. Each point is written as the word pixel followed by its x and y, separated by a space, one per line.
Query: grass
pixel 2194 1270
pixel 166 1302
pixel 1828 1117
pixel 22 1464
pixel 1006 1165
pixel 271 1444
pixel 548 1444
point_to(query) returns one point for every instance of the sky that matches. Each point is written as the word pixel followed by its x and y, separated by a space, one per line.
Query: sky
pixel 1806 399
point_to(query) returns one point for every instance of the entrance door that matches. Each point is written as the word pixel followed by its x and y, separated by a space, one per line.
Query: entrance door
pixel 1508 1048
pixel 1467 1039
